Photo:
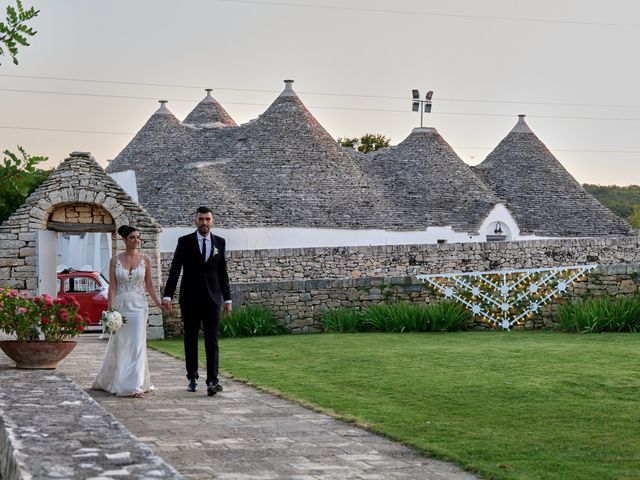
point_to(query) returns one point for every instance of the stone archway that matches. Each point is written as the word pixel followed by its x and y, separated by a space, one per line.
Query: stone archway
pixel 78 196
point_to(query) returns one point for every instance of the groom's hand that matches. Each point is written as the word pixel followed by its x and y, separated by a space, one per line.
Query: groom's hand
pixel 167 305
pixel 227 308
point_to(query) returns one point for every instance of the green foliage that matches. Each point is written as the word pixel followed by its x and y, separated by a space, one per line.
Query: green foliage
pixel 634 218
pixel 601 314
pixel 250 321
pixel 368 142
pixel 448 317
pixel 342 320
pixel 620 200
pixel 20 177
pixel 14 31
pixel 399 317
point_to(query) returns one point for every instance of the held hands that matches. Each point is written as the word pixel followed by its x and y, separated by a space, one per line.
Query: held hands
pixel 166 305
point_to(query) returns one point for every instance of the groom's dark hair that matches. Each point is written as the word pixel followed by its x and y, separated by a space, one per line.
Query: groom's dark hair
pixel 204 210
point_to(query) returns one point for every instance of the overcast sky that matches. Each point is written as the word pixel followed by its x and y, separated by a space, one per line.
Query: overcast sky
pixel 570 65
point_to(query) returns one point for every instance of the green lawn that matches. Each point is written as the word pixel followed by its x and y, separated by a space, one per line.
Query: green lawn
pixel 512 405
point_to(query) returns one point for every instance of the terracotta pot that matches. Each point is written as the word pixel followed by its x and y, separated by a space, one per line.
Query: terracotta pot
pixel 36 354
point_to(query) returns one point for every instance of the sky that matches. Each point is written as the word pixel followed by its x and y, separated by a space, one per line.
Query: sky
pixel 95 71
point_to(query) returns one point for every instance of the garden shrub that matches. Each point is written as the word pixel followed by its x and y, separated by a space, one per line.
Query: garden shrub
pixel 600 314
pixel 399 317
pixel 250 320
pixel 342 320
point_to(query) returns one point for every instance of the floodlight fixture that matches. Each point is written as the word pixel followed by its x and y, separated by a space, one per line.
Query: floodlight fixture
pixel 417 103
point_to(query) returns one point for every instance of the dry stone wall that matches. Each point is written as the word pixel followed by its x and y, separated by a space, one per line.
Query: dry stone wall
pixel 299 284
pixel 299 304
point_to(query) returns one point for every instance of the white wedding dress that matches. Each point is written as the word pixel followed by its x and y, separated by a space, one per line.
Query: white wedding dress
pixel 125 370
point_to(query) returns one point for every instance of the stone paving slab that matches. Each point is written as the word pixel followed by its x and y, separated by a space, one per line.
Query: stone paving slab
pixel 51 428
pixel 246 434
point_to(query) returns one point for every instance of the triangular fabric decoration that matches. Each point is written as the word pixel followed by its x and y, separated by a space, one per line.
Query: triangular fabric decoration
pixel 505 297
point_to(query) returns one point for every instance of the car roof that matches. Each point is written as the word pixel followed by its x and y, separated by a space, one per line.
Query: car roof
pixel 69 271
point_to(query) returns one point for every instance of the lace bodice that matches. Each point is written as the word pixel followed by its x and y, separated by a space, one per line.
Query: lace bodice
pixel 130 283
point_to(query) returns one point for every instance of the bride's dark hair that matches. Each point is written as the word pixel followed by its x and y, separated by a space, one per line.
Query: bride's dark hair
pixel 125 230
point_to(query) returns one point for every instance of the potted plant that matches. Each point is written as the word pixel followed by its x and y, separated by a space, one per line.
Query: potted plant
pixel 42 327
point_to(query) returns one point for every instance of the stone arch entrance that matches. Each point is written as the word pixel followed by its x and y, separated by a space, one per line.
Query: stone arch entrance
pixel 78 197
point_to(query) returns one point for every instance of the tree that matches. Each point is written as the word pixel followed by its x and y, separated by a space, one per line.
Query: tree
pixel 620 200
pixel 368 142
pixel 15 31
pixel 20 177
pixel 634 218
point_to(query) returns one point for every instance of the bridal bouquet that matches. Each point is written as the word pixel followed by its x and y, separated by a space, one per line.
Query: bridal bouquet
pixel 112 321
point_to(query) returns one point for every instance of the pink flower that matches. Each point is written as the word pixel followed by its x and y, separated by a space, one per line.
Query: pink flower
pixel 21 310
pixel 64 314
pixel 79 319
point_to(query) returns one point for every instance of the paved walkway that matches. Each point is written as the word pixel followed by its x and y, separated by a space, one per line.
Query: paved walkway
pixel 245 434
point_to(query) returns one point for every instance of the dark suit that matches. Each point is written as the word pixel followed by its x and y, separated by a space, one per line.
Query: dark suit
pixel 204 287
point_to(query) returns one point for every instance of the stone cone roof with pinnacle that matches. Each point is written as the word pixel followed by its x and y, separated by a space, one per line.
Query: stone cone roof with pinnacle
pixel 542 196
pixel 284 170
pixel 209 113
pixel 163 133
pixel 430 184
pixel 161 153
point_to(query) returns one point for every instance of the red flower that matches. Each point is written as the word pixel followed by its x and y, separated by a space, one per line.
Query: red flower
pixel 81 328
pixel 79 319
pixel 44 320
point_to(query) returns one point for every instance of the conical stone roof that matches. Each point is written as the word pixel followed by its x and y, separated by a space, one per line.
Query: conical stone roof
pixel 543 197
pixel 209 113
pixel 429 184
pixel 162 134
pixel 285 164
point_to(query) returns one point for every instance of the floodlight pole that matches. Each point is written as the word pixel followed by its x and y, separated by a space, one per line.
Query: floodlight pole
pixel 424 105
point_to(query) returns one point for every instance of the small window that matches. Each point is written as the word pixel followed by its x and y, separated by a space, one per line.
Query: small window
pixel 442 240
pixel 81 285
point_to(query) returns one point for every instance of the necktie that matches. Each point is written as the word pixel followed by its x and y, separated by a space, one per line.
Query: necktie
pixel 204 249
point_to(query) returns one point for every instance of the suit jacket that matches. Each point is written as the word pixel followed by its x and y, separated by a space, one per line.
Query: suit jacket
pixel 198 277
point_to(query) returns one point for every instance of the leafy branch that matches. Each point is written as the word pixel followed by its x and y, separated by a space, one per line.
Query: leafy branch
pixel 14 31
pixel 20 177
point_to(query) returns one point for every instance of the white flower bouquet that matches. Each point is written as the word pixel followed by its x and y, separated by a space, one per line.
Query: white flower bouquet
pixel 112 321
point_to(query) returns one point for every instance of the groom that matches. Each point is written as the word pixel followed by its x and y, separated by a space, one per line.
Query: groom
pixel 205 283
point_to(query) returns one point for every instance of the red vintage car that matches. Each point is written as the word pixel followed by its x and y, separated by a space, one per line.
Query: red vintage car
pixel 89 289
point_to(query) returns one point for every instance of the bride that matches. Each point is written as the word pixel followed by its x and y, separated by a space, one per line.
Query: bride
pixel 125 371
